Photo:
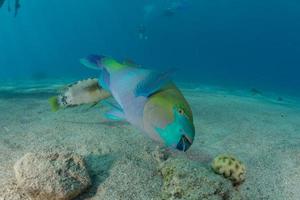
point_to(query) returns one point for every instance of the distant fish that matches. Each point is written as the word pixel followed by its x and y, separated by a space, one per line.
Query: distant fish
pixel 82 92
pixel 39 75
pixel 168 12
pixel 255 92
pixel 161 9
pixel 174 7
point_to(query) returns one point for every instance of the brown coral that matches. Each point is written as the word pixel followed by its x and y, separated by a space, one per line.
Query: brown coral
pixel 230 168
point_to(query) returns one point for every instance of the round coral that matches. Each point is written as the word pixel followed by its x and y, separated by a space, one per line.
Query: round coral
pixel 230 168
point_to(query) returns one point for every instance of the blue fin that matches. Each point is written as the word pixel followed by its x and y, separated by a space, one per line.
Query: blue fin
pixel 104 79
pixel 93 61
pixel 112 105
pixel 115 115
pixel 153 83
pixel 98 62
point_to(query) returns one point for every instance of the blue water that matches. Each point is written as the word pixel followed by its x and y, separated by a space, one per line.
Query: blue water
pixel 219 42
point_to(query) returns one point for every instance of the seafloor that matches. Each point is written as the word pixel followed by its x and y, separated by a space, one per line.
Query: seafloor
pixel 261 130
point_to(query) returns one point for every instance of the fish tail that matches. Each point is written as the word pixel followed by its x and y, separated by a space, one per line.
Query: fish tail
pixel 93 61
pixel 53 101
pixel 101 62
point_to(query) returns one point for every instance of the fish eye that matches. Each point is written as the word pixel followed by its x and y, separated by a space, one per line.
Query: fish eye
pixel 181 111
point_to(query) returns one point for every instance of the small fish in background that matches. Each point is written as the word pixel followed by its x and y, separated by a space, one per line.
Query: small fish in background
pixel 39 75
pixel 255 92
pixel 146 99
pixel 280 99
pixel 169 12
pixel 174 7
pixel 79 93
pixel 168 9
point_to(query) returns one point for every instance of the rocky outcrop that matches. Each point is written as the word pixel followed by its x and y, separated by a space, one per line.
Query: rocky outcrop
pixel 189 180
pixel 153 174
pixel 52 176
pixel 10 191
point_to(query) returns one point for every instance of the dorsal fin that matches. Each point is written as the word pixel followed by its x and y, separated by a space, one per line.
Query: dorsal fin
pixel 130 63
pixel 92 62
pixel 102 62
pixel 105 65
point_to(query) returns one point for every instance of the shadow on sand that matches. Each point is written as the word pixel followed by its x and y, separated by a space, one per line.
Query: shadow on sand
pixel 105 123
pixel 5 94
pixel 98 167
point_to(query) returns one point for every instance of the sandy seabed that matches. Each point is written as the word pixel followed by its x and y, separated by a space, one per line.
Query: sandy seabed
pixel 259 130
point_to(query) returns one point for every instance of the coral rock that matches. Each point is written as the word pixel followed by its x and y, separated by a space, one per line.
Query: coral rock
pixel 52 176
pixel 230 168
pixel 10 191
pixel 189 180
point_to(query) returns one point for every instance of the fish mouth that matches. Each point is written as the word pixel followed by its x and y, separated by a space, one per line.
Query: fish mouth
pixel 184 144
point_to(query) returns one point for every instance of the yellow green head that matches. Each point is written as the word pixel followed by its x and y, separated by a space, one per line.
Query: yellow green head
pixel 168 118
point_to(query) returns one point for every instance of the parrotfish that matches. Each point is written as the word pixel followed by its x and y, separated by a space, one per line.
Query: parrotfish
pixel 147 99
pixel 82 92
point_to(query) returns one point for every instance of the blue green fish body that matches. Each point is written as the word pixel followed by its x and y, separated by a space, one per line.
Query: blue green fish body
pixel 147 100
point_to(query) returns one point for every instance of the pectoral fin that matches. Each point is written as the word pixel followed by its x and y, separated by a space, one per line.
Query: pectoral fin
pixel 115 115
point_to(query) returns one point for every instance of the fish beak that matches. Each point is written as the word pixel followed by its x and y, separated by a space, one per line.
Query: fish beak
pixel 184 143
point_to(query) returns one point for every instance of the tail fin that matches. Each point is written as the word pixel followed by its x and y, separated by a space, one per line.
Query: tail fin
pixel 93 61
pixel 53 101
pixel 100 62
pixel 106 65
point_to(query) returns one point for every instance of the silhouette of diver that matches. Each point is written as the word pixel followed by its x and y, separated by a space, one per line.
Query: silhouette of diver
pixel 142 32
pixel 1 3
pixel 17 6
